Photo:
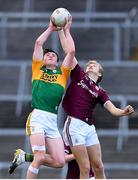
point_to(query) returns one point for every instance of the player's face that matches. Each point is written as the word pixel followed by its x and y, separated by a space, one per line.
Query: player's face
pixel 50 58
pixel 93 67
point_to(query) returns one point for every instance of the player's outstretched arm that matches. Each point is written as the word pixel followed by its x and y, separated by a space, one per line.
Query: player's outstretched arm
pixel 38 47
pixel 68 45
pixel 128 110
pixel 63 41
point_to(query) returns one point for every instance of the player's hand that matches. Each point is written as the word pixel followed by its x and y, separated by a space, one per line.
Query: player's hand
pixel 68 22
pixel 128 110
pixel 52 26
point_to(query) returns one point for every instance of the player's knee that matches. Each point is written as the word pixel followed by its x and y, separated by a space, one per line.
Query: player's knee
pixel 85 169
pixel 39 158
pixel 98 166
pixel 59 163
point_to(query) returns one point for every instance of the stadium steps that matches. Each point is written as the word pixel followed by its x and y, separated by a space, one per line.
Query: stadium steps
pixel 89 43
pixel 124 80
pixel 78 5
pixel 119 5
pixel 8 145
pixel 129 154
pixel 9 77
pixel 44 6
pixel 8 119
pixel 11 6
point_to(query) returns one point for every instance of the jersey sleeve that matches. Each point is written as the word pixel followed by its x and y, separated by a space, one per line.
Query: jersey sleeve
pixel 103 97
pixel 77 72
pixel 36 65
pixel 66 71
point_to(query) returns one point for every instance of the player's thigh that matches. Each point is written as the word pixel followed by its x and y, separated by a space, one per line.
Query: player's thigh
pixel 95 154
pixel 55 147
pixel 37 139
pixel 81 155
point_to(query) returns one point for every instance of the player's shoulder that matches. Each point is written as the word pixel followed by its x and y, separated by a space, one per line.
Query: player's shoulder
pixel 63 67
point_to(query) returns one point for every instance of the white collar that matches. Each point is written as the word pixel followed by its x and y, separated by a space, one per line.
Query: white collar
pixel 92 79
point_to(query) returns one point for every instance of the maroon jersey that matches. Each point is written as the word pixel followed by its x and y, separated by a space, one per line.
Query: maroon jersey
pixel 73 171
pixel 82 96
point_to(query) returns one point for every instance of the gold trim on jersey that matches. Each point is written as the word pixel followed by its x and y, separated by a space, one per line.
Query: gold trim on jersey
pixel 39 74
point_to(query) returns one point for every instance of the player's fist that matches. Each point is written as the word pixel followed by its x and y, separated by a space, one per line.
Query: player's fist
pixel 128 110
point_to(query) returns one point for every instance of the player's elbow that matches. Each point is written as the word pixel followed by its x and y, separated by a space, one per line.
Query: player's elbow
pixel 72 53
pixel 38 42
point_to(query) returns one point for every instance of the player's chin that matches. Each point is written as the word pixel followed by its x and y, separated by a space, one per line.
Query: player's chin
pixel 52 64
pixel 87 71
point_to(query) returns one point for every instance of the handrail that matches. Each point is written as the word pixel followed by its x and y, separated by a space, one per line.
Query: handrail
pixel 42 24
pixel 81 20
pixel 114 26
pixel 101 132
pixel 105 63
pixel 13 97
pixel 76 15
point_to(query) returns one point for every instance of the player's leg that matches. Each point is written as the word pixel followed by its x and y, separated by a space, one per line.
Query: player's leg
pixel 38 147
pixel 81 156
pixel 55 148
pixel 21 157
pixel 95 157
pixel 94 152
pixel 74 134
pixel 53 158
pixel 53 141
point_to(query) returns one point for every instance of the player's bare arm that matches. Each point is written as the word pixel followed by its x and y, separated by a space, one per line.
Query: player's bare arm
pixel 67 44
pixel 63 41
pixel 128 110
pixel 38 47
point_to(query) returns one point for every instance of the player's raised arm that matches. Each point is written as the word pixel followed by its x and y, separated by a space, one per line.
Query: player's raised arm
pixel 67 44
pixel 63 41
pixel 117 111
pixel 38 47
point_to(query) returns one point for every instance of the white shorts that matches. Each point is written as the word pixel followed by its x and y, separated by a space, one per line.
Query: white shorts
pixel 77 132
pixel 42 122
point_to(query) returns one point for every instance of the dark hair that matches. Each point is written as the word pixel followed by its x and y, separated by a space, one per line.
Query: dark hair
pixel 50 50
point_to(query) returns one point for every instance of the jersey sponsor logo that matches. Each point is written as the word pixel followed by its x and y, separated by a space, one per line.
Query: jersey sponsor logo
pixel 84 86
pixel 49 77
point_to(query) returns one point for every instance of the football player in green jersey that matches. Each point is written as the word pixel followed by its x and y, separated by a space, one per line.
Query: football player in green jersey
pixel 48 85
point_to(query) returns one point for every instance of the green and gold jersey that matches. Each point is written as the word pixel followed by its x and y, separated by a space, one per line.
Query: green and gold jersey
pixel 48 86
